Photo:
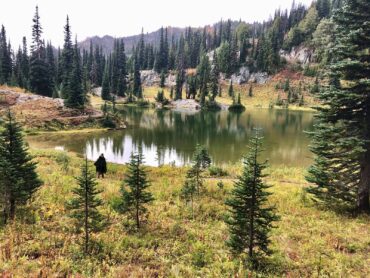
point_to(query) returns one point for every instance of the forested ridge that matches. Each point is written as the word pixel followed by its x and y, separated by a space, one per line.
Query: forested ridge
pixel 225 47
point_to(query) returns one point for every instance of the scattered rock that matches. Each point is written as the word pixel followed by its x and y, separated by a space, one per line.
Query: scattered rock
pixel 185 105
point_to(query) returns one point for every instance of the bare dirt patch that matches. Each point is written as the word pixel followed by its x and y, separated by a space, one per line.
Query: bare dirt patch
pixel 37 111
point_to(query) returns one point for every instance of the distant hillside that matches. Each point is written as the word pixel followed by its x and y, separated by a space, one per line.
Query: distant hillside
pixel 153 38
pixel 106 42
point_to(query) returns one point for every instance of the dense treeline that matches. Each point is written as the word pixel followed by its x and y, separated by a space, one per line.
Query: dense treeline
pixel 70 73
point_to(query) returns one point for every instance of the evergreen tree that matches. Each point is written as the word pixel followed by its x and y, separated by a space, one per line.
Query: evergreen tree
pixel 223 58
pixel 25 64
pixel 84 206
pixel 50 61
pixel 234 56
pixel 201 161
pixel 203 73
pixel 39 70
pixel 66 60
pixel 141 52
pixel 250 219
pixel 171 93
pixel 136 88
pixel 122 80
pixel 163 80
pixel 323 8
pixel 105 91
pixel 75 93
pixel 287 85
pixel 231 89
pixel 135 200
pixel 18 177
pixel 5 58
pixel 179 84
pixel 188 191
pixel 214 86
pixel 342 131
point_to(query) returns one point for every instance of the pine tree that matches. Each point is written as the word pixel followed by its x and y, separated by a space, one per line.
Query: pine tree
pixel 136 88
pixel 5 58
pixel 203 74
pixel 244 46
pixel 189 190
pixel 250 92
pixel 105 91
pixel 171 93
pixel 50 61
pixel 287 85
pixel 179 84
pixel 214 86
pixel 250 219
pixel 135 200
pixel 163 80
pixel 75 93
pixel 39 71
pixel 200 162
pixel 84 206
pixel 342 131
pixel 66 60
pixel 122 82
pixel 231 89
pixel 25 64
pixel 141 51
pixel 18 177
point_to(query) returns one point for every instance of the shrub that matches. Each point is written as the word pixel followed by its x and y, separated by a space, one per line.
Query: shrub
pixel 201 255
pixel 63 159
pixel 217 171
pixel 310 71
pixel 142 103
pixel 211 105
pixel 108 122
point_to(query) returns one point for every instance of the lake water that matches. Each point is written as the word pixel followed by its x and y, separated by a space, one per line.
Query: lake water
pixel 167 136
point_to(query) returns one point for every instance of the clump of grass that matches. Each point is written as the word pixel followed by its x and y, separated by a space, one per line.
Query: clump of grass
pixel 216 171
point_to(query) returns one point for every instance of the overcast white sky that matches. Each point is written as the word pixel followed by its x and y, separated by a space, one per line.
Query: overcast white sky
pixel 124 18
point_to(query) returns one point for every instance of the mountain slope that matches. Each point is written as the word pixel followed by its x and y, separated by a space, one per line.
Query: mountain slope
pixel 106 42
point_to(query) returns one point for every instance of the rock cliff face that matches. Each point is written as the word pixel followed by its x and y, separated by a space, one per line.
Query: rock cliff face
pixel 151 78
pixel 299 54
pixel 244 76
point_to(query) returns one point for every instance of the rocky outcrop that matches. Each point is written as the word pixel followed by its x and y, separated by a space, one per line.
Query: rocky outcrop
pixel 244 76
pixel 151 78
pixel 299 54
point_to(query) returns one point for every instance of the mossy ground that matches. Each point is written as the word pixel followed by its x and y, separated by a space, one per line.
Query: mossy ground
pixel 308 241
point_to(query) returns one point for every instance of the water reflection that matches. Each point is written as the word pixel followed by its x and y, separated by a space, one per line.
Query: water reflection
pixel 169 137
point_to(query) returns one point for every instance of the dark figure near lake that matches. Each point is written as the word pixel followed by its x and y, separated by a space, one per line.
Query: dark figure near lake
pixel 101 166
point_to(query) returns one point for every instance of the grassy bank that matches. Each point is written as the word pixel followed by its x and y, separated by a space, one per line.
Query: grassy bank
pixel 307 243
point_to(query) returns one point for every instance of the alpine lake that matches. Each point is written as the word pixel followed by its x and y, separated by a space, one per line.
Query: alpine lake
pixel 170 137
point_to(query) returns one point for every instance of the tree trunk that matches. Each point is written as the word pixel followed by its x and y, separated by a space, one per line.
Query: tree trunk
pixel 364 185
pixel 251 216
pixel 137 216
pixel 86 213
pixel 12 209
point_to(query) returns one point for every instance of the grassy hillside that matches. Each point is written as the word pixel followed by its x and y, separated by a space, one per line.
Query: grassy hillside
pixel 308 242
